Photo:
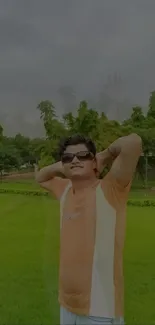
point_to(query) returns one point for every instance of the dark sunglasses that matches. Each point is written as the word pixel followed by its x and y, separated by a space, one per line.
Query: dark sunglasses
pixel 81 156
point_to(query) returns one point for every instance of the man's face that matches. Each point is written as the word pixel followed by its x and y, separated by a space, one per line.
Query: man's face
pixel 78 162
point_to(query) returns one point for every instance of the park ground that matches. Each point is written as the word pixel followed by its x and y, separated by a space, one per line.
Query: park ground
pixel 29 251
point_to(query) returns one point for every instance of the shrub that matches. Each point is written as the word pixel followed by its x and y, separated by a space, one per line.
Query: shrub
pixel 23 192
pixel 142 203
pixel 136 203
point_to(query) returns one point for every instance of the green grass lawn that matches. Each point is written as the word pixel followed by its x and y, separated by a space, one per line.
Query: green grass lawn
pixel 21 185
pixel 29 255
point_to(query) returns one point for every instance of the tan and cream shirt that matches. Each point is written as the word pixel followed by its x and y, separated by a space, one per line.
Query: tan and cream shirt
pixel 92 232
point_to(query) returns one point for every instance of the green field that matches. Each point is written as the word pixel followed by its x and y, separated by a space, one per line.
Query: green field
pixel 29 251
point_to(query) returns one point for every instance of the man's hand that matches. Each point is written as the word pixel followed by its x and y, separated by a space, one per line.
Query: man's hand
pixel 51 178
pixel 123 154
pixel 49 172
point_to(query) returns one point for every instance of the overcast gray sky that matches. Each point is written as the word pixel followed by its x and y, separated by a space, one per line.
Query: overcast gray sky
pixel 45 44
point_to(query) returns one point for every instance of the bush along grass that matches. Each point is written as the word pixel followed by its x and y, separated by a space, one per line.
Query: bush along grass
pixel 136 203
pixel 141 203
pixel 23 192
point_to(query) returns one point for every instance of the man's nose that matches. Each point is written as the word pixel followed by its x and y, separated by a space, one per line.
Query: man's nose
pixel 75 159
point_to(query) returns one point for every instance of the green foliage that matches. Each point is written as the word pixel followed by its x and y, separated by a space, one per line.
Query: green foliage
pixel 22 192
pixel 9 158
pixel 137 118
pixel 1 132
pixel 151 111
pixel 21 150
pixel 45 160
pixel 53 127
pixel 22 145
pixel 86 122
pixel 141 203
pixel 136 203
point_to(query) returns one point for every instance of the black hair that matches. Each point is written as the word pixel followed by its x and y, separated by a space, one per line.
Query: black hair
pixel 74 140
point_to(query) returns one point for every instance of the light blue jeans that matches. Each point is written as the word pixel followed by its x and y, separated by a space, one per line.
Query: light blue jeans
pixel 68 318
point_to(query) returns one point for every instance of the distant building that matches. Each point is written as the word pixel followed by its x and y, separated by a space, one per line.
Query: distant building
pixel 113 99
pixel 68 99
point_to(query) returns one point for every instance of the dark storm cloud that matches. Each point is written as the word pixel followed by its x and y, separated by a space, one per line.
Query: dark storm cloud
pixel 47 44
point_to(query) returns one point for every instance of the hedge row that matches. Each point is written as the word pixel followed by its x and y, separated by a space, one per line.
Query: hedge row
pixel 23 192
pixel 140 203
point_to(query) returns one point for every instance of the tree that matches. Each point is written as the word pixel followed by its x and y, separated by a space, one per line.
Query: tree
pixel 36 147
pixel 47 114
pixel 22 144
pixel 86 121
pixel 45 160
pixel 137 118
pixel 9 158
pixel 109 131
pixel 54 128
pixel 1 132
pixel 18 150
pixel 151 111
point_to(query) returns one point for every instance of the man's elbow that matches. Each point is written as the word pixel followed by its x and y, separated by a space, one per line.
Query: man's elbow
pixel 38 178
pixel 135 143
pixel 136 137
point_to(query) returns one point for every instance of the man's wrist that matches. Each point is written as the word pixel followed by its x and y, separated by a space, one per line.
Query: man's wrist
pixel 116 147
pixel 59 169
pixel 105 157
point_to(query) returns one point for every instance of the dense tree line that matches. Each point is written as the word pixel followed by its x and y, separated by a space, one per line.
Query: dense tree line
pixel 19 151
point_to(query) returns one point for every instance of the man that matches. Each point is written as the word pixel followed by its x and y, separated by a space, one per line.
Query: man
pixel 92 226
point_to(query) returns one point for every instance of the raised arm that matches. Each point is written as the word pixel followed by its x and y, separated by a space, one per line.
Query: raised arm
pixel 125 153
pixel 52 179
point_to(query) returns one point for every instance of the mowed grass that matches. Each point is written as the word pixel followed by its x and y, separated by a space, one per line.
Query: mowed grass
pixel 20 185
pixel 29 251
pixel 29 258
